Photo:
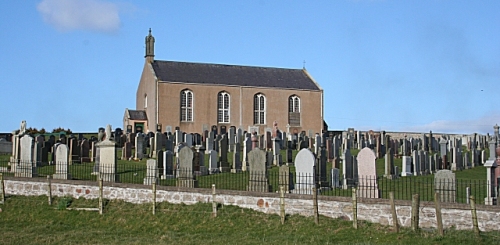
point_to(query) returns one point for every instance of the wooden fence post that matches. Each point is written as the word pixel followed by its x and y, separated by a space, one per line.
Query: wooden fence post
pixel 282 204
pixel 49 190
pixel 101 202
pixel 354 208
pixel 214 203
pixel 154 197
pixel 2 189
pixel 475 225
pixel 415 206
pixel 439 217
pixel 315 205
pixel 395 222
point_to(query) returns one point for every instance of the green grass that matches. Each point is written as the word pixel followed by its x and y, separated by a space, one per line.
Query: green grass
pixel 29 220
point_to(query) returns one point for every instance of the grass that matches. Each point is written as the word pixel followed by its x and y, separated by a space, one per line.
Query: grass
pixel 29 220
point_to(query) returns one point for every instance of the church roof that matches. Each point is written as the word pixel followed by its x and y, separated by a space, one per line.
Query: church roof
pixel 137 115
pixel 233 75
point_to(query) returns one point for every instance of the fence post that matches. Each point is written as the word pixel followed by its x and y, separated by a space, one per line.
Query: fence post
pixel 154 196
pixel 415 206
pixel 395 222
pixel 49 190
pixel 282 204
pixel 101 204
pixel 2 189
pixel 439 217
pixel 474 215
pixel 354 209
pixel 315 205
pixel 214 204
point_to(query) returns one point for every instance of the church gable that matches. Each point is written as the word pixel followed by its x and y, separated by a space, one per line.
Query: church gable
pixel 232 75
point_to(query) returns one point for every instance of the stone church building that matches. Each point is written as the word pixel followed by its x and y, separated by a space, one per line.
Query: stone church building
pixel 199 96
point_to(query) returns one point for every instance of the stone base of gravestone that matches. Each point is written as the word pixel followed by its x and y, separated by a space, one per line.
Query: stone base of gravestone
pixel 62 176
pixel 368 188
pixel 258 182
pixel 224 167
pixel 187 183
pixel 150 180
pixel 202 172
pixel 107 161
pixel 25 170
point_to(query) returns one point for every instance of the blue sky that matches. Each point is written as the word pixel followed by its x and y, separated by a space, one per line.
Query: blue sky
pixel 384 65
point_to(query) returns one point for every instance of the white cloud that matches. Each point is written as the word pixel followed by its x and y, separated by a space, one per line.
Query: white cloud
pixel 91 15
pixel 479 125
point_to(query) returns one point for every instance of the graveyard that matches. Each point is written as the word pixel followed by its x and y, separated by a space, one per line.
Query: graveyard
pixel 455 170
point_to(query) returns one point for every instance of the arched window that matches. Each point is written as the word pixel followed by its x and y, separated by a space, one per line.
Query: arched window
pixel 186 105
pixel 259 108
pixel 294 110
pixel 223 107
pixel 145 101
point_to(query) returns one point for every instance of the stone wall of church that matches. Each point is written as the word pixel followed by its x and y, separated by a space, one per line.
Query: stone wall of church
pixel 241 107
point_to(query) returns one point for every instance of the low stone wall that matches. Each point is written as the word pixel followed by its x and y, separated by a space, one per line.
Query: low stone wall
pixel 372 210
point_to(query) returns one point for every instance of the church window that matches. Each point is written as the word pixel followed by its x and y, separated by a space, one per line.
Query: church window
pixel 223 107
pixel 294 110
pixel 259 107
pixel 186 105
pixel 145 101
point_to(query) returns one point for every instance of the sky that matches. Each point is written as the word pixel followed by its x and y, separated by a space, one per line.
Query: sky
pixel 383 65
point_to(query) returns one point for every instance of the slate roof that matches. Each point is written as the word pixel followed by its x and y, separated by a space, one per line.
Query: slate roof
pixel 218 74
pixel 137 115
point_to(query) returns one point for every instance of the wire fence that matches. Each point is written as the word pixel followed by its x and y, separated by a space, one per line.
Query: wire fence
pixel 451 190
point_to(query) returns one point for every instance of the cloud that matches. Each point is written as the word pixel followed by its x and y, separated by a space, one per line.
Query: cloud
pixel 90 15
pixel 480 125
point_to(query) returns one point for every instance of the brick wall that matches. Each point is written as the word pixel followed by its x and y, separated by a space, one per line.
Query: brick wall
pixel 372 210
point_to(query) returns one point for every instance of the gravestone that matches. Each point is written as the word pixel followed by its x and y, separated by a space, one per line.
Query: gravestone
pixel 26 167
pixel 389 165
pixel 62 164
pixel 335 177
pixel 151 172
pixel 85 151
pixel 185 176
pixel 321 166
pixel 247 147
pixel 258 180
pixel 406 166
pixel 212 162
pixel 304 172
pixel 236 168
pixel 444 184
pixel 348 180
pixel 416 162
pixel 168 164
pixel 367 174
pixel 223 149
pixel 107 159
pixel 127 151
pixel 139 147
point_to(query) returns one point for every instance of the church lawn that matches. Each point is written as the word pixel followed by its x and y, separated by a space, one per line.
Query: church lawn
pixel 30 220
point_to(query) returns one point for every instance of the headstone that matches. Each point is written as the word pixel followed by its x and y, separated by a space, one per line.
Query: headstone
pixel 139 147
pixel 185 176
pixel 367 174
pixel 406 166
pixel 258 180
pixel 127 151
pixel 151 172
pixel 107 161
pixel 444 184
pixel 347 170
pixel 26 167
pixel 168 164
pixel 236 168
pixel 335 177
pixel 62 164
pixel 304 172
pixel 223 149
pixel 212 162
pixel 389 165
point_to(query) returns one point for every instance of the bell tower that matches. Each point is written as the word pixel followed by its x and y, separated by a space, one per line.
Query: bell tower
pixel 150 47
